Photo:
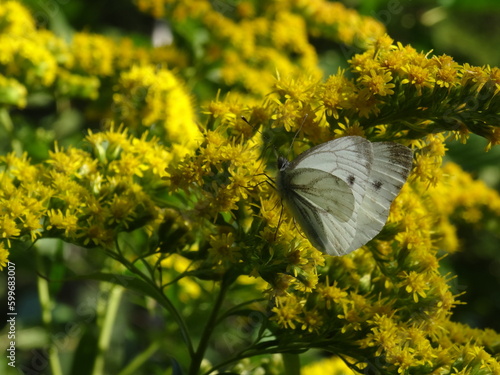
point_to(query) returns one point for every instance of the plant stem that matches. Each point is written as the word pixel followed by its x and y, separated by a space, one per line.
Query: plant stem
pixel 207 332
pixel 140 359
pixel 291 363
pixel 106 328
pixel 161 298
pixel 46 306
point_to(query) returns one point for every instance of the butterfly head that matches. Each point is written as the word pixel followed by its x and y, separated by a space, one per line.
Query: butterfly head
pixel 282 163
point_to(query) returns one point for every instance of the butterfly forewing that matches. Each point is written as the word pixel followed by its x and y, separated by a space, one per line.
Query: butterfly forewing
pixel 343 157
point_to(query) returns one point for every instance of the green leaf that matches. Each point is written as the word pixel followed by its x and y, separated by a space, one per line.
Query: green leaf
pixel 127 282
pixel 176 368
pixel 86 352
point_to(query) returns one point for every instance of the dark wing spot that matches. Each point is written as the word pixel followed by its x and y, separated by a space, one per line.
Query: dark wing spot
pixel 401 155
pixel 351 179
pixel 377 185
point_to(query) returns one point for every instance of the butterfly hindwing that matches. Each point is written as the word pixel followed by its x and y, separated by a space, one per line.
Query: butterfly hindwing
pixel 391 166
pixel 322 204
pixel 324 191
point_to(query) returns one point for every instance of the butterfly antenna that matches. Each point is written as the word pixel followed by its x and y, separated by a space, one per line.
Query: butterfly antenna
pixel 297 133
pixel 279 223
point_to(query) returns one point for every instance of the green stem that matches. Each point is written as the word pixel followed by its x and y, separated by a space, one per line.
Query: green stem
pixel 288 350
pixel 161 298
pixel 292 363
pixel 5 120
pixel 207 332
pixel 140 359
pixel 234 309
pixel 107 327
pixel 46 306
pixel 247 353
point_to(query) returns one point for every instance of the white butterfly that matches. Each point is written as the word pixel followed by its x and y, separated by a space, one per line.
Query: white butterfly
pixel 340 192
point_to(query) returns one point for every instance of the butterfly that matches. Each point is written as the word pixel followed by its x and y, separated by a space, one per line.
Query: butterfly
pixel 340 192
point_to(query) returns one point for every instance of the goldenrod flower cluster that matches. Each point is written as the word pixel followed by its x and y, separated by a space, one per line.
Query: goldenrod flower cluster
pixel 201 188
pixel 83 197
pixel 87 197
pixel 147 97
pixel 33 59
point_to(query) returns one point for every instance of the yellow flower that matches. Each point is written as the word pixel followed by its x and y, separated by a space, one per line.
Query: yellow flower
pixel 447 73
pixel 417 76
pixel 154 7
pixel 382 44
pixel 288 31
pixel 298 90
pixel 402 357
pixel 331 295
pixel 147 96
pixel 26 60
pixel 416 284
pixel 474 76
pixel 378 82
pixel 347 129
pixel 15 19
pixel 77 86
pixel 365 104
pixel 337 94
pixel 312 321
pixel 122 209
pixel 96 235
pixel 31 223
pixel 93 54
pixel 340 23
pixel 288 114
pixel 288 311
pixel 355 311
pixel 385 334
pixel 330 366
pixel 12 92
pixel 223 250
pixel 4 256
pixel 8 228
pixel 364 63
pixel 493 138
pixel 67 222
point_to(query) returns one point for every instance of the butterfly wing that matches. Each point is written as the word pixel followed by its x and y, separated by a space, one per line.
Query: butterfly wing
pixel 390 168
pixel 373 172
pixel 346 159
pixel 349 158
pixel 322 204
